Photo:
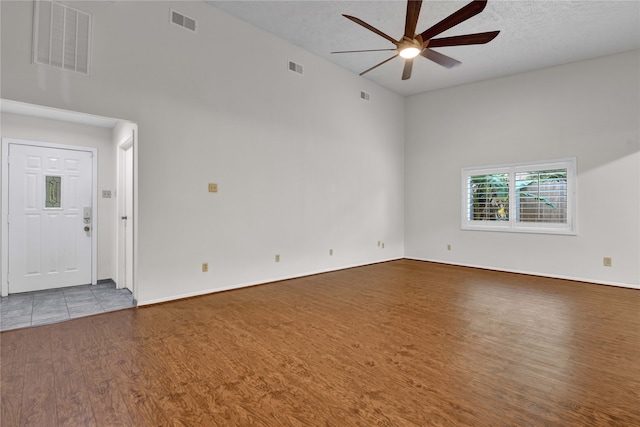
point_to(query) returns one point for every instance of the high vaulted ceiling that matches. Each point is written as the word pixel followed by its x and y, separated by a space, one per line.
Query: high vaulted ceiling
pixel 533 34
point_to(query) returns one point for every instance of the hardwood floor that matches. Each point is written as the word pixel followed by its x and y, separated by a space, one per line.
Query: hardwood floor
pixel 403 343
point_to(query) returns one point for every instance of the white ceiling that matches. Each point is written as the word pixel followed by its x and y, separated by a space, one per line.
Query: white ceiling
pixel 533 35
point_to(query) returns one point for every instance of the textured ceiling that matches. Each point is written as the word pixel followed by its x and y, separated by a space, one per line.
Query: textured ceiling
pixel 533 35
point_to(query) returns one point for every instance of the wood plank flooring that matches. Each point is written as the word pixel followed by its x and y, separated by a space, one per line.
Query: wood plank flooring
pixel 402 343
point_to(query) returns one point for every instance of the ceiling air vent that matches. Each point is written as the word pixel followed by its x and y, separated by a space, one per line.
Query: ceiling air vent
pixel 296 68
pixel 182 20
pixel 61 36
pixel 364 95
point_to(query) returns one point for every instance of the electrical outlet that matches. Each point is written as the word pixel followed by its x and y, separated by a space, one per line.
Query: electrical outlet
pixel 448 247
pixel 205 267
pixel 606 261
pixel 277 257
pixel 213 188
pixel 330 252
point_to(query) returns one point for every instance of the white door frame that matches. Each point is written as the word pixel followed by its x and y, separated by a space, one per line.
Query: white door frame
pixel 5 204
pixel 128 143
pixel 124 257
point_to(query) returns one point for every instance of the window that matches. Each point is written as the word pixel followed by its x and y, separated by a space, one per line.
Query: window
pixel 52 191
pixel 532 197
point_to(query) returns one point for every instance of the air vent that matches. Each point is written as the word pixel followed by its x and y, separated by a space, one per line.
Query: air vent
pixel 182 20
pixel 296 68
pixel 61 37
pixel 364 95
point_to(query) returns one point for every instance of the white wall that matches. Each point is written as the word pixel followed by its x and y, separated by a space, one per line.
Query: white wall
pixel 302 163
pixel 589 110
pixel 37 129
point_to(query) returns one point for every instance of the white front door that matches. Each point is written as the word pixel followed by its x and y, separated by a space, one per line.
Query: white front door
pixel 50 217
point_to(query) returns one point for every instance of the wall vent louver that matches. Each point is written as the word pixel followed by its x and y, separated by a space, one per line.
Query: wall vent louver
pixel 364 95
pixel 61 36
pixel 182 20
pixel 296 68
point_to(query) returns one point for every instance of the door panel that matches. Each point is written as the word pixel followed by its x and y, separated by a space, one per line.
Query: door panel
pixel 48 191
pixel 128 183
pixel 126 213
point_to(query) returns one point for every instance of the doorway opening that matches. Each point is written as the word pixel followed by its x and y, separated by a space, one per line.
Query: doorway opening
pixel 113 176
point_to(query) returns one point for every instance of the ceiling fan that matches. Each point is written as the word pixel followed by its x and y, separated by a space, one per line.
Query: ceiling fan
pixel 412 44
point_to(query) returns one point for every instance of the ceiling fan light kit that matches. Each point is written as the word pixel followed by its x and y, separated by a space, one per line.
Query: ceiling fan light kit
pixel 408 48
pixel 411 44
pixel 409 52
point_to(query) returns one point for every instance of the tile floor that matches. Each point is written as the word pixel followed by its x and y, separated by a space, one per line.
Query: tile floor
pixel 56 305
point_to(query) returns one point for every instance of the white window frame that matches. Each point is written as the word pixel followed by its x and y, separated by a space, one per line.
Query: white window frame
pixel 512 225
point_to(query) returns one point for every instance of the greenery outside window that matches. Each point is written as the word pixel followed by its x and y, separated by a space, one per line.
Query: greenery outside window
pixel 524 197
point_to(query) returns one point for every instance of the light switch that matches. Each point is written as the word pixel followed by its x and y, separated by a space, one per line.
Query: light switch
pixel 213 188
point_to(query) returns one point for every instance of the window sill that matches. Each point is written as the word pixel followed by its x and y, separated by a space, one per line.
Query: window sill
pixel 516 229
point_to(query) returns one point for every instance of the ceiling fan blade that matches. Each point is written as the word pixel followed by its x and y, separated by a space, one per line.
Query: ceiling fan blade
pixel 479 38
pixel 368 50
pixel 406 72
pixel 439 58
pixel 370 28
pixel 455 18
pixel 377 65
pixel 413 12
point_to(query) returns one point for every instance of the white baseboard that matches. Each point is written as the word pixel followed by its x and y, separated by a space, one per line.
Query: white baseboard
pixel 345 267
pixel 531 273
pixel 256 283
